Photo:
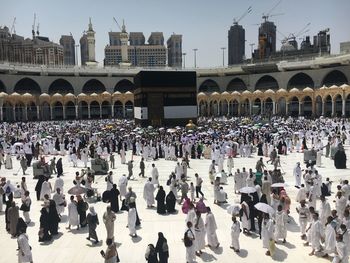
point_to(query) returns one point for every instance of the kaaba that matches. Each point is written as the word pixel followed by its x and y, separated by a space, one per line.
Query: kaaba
pixel 165 98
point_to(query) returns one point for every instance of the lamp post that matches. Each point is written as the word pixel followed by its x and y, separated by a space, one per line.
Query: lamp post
pixel 195 57
pixel 223 56
pixel 76 55
pixel 184 56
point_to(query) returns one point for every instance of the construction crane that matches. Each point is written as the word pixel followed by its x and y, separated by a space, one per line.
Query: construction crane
pixel 266 16
pixel 236 21
pixel 33 26
pixel 13 29
pixel 294 36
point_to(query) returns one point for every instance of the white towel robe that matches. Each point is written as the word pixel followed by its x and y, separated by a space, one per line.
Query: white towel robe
pixel 132 221
pixel 235 232
pixel 73 216
pixel 24 252
pixel 199 235
pixel 148 193
pixel 210 226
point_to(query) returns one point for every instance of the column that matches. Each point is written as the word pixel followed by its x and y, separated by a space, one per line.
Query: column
pixel 64 111
pixel 198 110
pixel 343 108
pixel 51 111
pixel 14 113
pixel 262 110
pixel 123 110
pixel 218 108
pixel 239 109
pixel 76 112
pixel 25 113
pixel 273 107
pixel 322 106
pixel 38 112
pixel 250 108
pixel 228 109
pixel 300 108
pixel 89 115
pixel 112 105
pixel 287 106
pixel 100 111
pixel 1 113
pixel 333 108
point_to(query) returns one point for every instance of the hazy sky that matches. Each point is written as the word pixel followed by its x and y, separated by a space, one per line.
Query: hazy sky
pixel 203 23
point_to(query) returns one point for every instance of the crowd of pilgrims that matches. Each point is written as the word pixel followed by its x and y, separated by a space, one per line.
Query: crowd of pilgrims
pixel 221 140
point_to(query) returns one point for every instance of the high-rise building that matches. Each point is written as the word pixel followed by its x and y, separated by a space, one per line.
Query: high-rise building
pixel 68 43
pixel 138 53
pixel 136 39
pixel 174 45
pixel 322 41
pixel 236 44
pixel 87 46
pixel 345 47
pixel 267 39
pixel 84 52
pixel 38 50
pixel 156 39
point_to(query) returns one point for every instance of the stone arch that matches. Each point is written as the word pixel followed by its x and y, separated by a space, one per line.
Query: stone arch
pixel 266 82
pixel 307 106
pixel 338 105
pixel 83 110
pixel 70 110
pixel 61 86
pixel 93 86
pixel 318 106
pixel 27 85
pixel 2 87
pixel 236 84
pixel 209 85
pixel 106 109
pixel 124 85
pixel 94 110
pixel 234 106
pixel 281 106
pixel 129 109
pixel 203 108
pixel 8 112
pixel 118 109
pixel 300 81
pixel 45 111
pixel 268 106
pixel 335 77
pixel 294 106
pixel 57 111
pixel 32 112
pixel 328 106
pixel 256 106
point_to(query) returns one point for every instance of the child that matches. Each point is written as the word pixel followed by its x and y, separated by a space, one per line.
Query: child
pixel 192 192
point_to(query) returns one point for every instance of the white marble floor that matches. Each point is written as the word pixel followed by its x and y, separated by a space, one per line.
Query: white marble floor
pixel 71 246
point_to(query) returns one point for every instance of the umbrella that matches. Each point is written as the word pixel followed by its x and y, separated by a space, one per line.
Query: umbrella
pixel 49 137
pixel 264 208
pixel 171 130
pixel 77 190
pixel 18 144
pixel 233 209
pixel 219 174
pixel 247 190
pixel 278 185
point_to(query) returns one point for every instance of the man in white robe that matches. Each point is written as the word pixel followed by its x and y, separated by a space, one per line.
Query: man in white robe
pixel 190 250
pixel 267 230
pixel 325 210
pixel 59 183
pixel 123 183
pixel 316 234
pixel 340 204
pixel 132 218
pixel 73 216
pixel 210 227
pixel 281 219
pixel 155 175
pixel 58 197
pixel 199 233
pixel 297 175
pixel 329 241
pixel 24 249
pixel 230 165
pixel 235 232
pixel 341 254
pixel 148 193
pixel 108 219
